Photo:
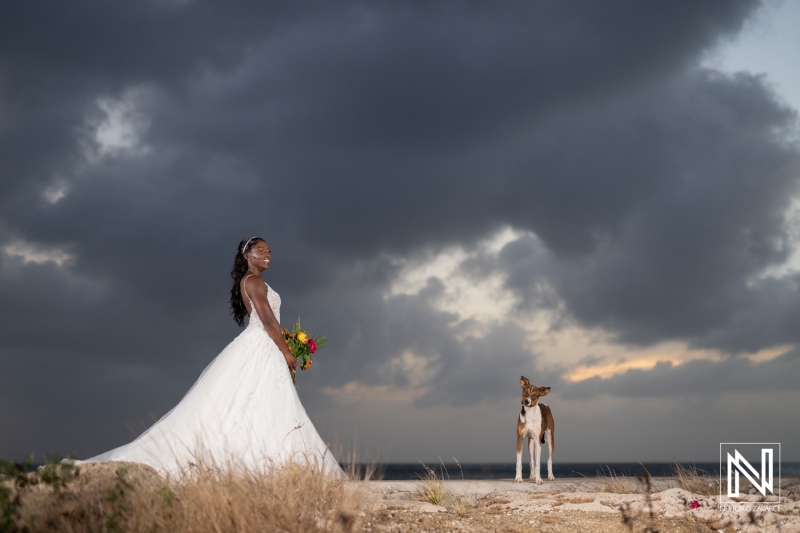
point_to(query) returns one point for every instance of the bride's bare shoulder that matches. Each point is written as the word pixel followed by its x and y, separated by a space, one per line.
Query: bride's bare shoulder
pixel 255 285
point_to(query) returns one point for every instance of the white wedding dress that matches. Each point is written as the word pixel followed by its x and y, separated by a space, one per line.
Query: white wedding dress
pixel 243 411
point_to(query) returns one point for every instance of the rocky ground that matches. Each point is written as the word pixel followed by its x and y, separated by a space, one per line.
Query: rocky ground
pixel 102 495
pixel 571 505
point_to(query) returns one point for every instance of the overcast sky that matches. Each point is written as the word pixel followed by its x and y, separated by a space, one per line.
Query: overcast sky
pixel 601 196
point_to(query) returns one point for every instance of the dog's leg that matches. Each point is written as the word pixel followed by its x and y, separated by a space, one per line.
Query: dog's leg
pixel 532 454
pixel 518 477
pixel 537 465
pixel 551 444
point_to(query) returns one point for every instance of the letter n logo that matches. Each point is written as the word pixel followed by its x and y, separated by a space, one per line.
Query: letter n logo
pixel 739 469
pixel 737 463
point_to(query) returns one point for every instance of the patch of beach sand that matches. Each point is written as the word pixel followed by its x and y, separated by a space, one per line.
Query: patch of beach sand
pixel 568 505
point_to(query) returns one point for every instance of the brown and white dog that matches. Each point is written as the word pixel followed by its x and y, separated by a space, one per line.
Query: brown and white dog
pixel 535 422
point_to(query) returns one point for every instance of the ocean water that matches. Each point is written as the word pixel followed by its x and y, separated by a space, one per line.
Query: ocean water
pixel 475 471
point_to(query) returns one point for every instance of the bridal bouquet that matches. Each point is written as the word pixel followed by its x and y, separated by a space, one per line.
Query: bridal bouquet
pixel 303 346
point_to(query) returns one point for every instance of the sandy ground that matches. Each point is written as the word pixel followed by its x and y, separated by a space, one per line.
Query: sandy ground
pixel 579 505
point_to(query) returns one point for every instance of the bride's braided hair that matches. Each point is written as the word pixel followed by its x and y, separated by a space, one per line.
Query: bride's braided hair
pixel 238 310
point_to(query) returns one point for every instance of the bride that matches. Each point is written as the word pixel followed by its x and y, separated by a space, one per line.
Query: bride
pixel 243 409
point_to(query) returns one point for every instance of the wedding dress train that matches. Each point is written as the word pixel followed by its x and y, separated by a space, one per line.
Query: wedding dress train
pixel 243 410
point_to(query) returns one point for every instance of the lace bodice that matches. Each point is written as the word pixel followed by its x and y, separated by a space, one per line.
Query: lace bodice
pixel 274 300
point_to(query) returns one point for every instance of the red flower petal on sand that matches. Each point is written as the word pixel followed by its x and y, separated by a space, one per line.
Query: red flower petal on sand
pixel 695 504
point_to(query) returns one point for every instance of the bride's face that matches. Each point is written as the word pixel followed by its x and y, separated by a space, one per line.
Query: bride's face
pixel 260 255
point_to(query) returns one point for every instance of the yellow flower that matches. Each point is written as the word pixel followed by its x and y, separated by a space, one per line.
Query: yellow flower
pixel 302 337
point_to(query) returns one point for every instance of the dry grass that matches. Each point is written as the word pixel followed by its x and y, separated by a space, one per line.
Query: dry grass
pixel 613 482
pixel 459 504
pixel 696 481
pixel 132 497
pixel 432 488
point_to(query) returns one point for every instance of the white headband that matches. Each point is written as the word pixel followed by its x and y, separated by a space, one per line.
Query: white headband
pixel 245 244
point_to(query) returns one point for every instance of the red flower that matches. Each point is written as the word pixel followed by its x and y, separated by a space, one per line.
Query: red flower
pixel 312 346
pixel 695 504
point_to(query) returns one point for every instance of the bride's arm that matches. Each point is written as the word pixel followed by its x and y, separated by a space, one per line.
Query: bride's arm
pixel 258 294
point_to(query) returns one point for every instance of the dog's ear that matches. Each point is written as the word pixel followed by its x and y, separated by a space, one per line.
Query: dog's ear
pixel 524 382
pixel 543 391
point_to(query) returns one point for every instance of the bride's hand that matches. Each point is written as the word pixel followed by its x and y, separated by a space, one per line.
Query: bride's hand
pixel 291 361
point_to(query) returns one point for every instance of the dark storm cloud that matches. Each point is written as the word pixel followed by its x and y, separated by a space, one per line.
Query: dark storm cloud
pixel 663 212
pixel 347 134
pixel 355 107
